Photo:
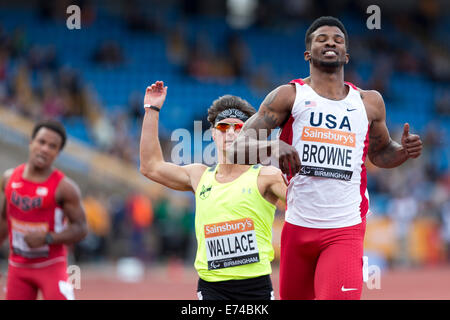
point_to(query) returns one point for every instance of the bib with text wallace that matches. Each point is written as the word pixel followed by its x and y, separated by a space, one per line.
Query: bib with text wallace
pixel 231 243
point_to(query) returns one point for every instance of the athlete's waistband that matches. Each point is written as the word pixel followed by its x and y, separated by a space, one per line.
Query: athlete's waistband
pixel 307 222
pixel 235 283
pixel 35 265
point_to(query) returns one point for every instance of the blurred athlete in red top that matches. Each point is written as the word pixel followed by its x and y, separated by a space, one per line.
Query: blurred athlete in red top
pixel 37 199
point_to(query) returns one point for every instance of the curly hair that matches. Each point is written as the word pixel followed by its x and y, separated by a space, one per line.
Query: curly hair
pixel 325 21
pixel 229 102
pixel 53 125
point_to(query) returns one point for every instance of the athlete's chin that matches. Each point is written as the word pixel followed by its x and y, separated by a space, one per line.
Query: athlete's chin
pixel 329 65
pixel 40 164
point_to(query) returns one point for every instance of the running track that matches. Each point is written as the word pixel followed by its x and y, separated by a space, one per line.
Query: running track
pixel 179 283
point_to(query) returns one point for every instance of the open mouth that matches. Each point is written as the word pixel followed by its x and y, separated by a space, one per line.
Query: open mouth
pixel 330 53
pixel 41 158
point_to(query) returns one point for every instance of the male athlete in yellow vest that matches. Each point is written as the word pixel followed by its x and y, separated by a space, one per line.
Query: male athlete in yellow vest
pixel 235 204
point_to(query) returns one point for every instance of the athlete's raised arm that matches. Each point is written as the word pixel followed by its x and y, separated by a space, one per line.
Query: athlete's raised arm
pixel 153 166
pixel 252 146
pixel 68 197
pixel 383 151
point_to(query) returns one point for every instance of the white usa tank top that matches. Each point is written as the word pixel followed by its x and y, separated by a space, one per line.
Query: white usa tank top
pixel 332 139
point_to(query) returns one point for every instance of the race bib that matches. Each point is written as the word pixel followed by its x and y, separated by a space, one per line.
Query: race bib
pixel 19 229
pixel 327 153
pixel 231 243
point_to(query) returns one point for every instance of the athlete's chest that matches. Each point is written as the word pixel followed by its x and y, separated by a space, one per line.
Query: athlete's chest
pixel 25 197
pixel 227 195
pixel 330 136
pixel 348 115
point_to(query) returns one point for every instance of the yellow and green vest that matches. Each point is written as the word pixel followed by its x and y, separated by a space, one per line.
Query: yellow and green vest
pixel 233 225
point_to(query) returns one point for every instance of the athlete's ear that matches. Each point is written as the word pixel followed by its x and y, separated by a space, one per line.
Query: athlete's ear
pixel 307 55
pixel 347 58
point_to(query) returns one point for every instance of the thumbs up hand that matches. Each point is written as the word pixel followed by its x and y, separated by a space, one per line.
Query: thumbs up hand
pixel 411 143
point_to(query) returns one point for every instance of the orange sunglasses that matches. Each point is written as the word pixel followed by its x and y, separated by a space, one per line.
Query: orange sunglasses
pixel 224 126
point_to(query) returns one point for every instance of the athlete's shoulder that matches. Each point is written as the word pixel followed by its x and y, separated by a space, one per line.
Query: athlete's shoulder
pixel 273 174
pixel 374 103
pixel 281 99
pixel 285 91
pixel 298 81
pixel 197 168
pixel 68 188
pixel 370 96
pixel 5 177
pixel 270 170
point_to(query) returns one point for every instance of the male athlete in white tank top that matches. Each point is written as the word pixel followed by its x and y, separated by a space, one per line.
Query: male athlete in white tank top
pixel 331 138
pixel 329 126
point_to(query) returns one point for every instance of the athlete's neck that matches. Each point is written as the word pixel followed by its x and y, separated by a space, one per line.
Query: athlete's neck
pixel 225 169
pixel 34 173
pixel 328 85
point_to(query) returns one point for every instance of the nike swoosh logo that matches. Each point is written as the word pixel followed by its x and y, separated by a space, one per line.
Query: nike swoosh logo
pixel 347 289
pixel 350 109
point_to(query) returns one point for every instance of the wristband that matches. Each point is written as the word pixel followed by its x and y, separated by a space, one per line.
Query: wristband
pixel 151 107
pixel 48 238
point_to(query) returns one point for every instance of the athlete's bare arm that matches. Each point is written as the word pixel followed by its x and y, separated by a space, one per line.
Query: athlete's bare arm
pixel 68 197
pixel 272 185
pixel 251 142
pixel 3 221
pixel 153 166
pixel 383 151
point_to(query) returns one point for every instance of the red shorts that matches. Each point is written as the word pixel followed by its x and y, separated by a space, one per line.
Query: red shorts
pixel 24 283
pixel 323 264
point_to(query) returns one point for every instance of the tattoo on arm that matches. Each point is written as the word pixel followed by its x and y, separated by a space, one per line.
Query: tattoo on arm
pixel 385 155
pixel 270 119
pixel 270 97
pixel 375 143
pixel 269 115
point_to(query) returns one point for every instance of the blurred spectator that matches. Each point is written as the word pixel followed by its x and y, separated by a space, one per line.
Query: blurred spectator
pixel 140 211
pixel 439 63
pixel 43 58
pixel 174 222
pixel 56 10
pixel 445 228
pixel 261 80
pixel 103 130
pixel 426 16
pixel 18 43
pixel 134 108
pixel 124 146
pixel 53 105
pixel 237 53
pixel 177 48
pixel 93 247
pixel 137 20
pixel 435 153
pixel 108 54
pixel 25 100
pixel 443 103
pixel 297 9
pixel 402 209
pixel 71 89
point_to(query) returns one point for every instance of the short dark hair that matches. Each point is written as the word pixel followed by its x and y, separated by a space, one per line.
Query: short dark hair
pixel 325 21
pixel 53 125
pixel 229 102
